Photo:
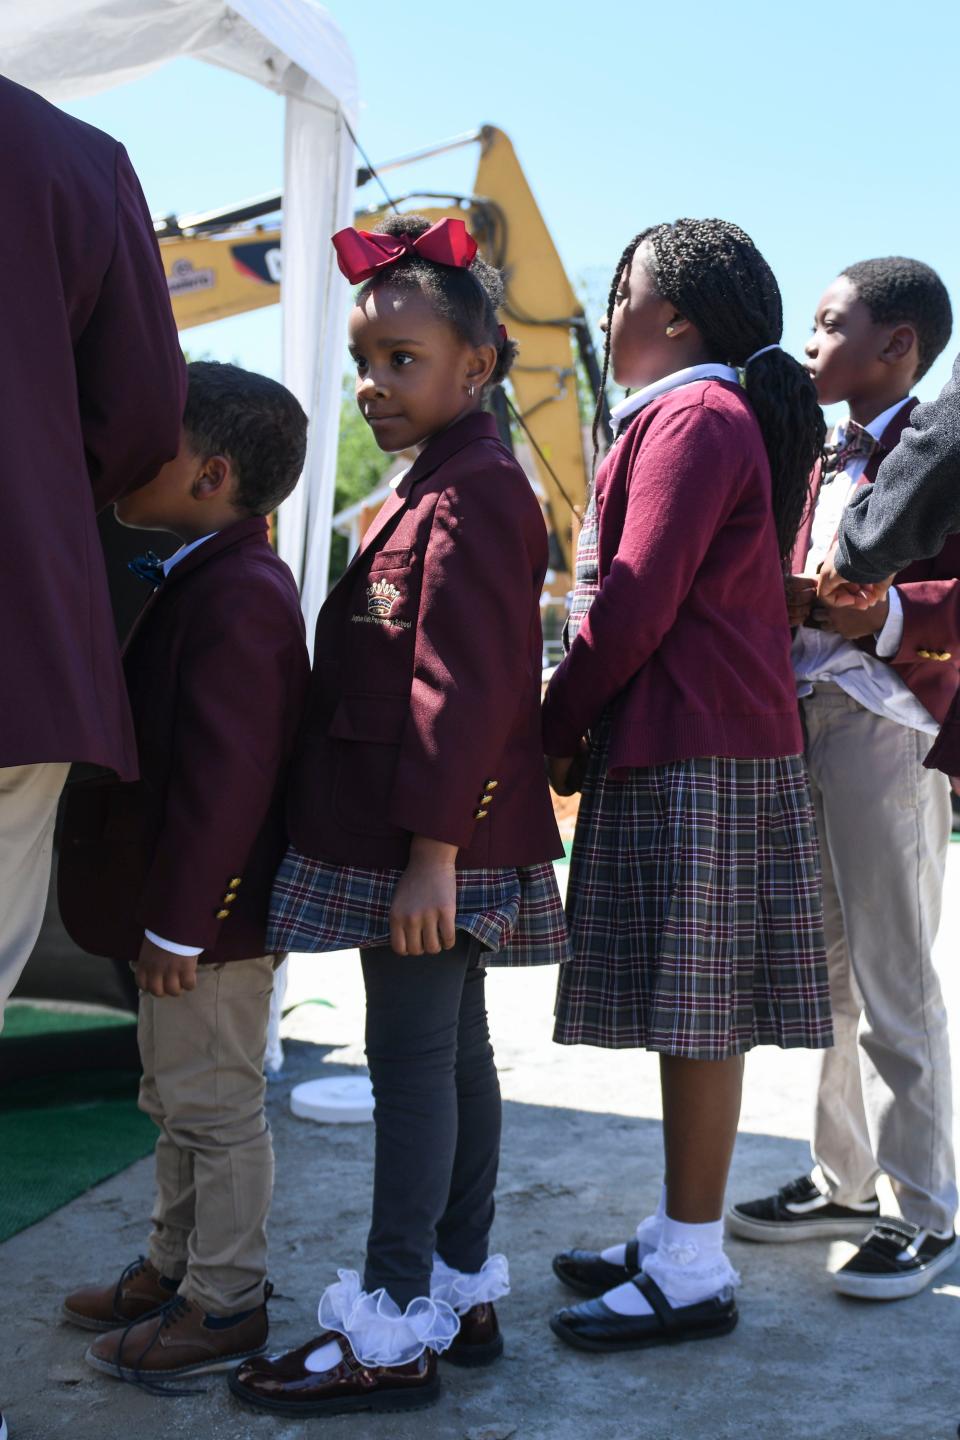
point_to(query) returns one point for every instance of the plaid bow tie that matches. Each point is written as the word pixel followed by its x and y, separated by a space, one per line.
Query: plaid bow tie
pixel 147 567
pixel 857 443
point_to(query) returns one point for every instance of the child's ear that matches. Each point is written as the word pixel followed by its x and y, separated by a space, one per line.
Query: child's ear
pixel 481 365
pixel 677 325
pixel 213 479
pixel 900 343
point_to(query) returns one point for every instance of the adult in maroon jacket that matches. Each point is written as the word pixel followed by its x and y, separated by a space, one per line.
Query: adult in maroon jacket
pixel 91 395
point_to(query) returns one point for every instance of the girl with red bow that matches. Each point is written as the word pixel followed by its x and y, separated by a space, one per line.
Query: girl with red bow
pixel 420 820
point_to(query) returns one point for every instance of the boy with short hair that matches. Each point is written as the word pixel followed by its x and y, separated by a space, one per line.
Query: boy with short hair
pixel 173 873
pixel 874 686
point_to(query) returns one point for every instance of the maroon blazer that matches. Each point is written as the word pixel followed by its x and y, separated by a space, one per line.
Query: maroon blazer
pixel 424 704
pixel 217 670
pixel 928 660
pixel 91 397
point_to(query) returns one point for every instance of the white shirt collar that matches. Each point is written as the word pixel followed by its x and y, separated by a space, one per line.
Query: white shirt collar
pixel 626 409
pixel 184 551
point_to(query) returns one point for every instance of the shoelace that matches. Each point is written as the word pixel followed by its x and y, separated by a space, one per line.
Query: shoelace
pixel 165 1317
pixel 133 1269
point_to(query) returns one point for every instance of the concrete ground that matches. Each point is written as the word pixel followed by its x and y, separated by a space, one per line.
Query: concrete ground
pixel 581 1163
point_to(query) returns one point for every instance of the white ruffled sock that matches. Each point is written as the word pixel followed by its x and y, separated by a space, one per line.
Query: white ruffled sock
pixel 689 1265
pixel 648 1233
pixel 378 1333
pixel 462 1290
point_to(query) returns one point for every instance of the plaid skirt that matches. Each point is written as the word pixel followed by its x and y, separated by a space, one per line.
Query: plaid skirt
pixel 695 910
pixel 516 914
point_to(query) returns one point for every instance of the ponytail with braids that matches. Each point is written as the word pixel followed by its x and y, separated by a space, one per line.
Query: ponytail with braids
pixel 716 278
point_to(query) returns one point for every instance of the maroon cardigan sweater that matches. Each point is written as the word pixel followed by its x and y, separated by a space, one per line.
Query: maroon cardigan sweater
pixel 687 638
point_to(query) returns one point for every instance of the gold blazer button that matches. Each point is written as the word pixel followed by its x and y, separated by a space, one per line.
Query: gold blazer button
pixel 223 914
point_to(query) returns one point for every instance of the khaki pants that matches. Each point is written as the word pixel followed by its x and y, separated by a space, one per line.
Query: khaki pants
pixel 28 809
pixel 884 1102
pixel 203 1085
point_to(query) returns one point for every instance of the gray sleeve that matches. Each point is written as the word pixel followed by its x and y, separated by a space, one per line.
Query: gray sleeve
pixel 914 503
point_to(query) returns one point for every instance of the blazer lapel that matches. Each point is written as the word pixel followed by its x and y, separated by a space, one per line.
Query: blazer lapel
pixel 478 426
pixel 889 440
pixel 254 528
pixel 801 547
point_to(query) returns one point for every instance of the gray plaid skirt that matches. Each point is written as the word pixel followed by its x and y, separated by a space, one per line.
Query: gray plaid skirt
pixel 694 909
pixel 516 914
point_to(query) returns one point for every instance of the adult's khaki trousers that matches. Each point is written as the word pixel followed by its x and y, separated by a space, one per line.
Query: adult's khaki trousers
pixel 203 1085
pixel 28 810
pixel 884 1100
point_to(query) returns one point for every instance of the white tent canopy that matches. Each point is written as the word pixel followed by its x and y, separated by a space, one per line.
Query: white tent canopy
pixel 68 48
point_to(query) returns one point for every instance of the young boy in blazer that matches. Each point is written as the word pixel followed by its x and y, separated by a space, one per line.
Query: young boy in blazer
pixel 875 685
pixel 173 874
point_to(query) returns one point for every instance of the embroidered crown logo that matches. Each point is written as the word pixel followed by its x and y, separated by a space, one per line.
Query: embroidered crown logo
pixel 381 598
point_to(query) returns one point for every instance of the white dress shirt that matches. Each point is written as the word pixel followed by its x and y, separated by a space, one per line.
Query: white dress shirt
pixel 821 657
pixel 168 565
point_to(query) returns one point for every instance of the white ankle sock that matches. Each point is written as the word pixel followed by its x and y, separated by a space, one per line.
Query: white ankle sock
pixel 688 1264
pixel 325 1357
pixel 648 1233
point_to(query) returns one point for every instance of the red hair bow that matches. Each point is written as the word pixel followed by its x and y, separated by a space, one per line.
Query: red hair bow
pixel 361 253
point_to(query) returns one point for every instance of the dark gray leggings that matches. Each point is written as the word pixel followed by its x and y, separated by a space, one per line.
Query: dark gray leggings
pixel 437 1115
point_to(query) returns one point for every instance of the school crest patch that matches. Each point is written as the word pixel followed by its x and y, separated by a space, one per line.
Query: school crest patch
pixel 381 598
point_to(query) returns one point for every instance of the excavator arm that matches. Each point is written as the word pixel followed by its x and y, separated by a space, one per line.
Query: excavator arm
pixel 227 262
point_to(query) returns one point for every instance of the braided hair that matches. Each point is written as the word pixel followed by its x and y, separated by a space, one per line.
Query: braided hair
pixel 715 276
pixel 467 298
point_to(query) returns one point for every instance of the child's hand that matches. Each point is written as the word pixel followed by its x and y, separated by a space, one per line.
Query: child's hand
pixel 566 775
pixel 801 593
pixel 558 773
pixel 159 972
pixel 423 915
pixel 833 589
pixel 851 623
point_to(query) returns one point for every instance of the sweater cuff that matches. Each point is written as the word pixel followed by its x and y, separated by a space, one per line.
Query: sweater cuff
pixel 561 735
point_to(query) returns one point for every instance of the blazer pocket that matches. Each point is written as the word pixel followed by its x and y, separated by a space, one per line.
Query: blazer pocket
pixel 366 731
pixel 392 560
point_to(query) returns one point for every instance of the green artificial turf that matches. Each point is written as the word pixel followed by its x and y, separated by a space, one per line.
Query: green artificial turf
pixel 62 1134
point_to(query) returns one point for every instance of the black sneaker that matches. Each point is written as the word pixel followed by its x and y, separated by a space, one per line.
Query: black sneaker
pixel 896 1259
pixel 799 1211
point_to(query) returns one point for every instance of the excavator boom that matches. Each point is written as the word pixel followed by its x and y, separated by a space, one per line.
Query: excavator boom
pixel 228 262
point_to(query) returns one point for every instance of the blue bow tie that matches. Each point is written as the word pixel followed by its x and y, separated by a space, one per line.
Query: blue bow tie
pixel 148 567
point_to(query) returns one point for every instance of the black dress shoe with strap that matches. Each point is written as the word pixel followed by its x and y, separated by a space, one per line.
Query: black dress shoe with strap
pixel 594 1326
pixel 586 1271
pixel 478 1341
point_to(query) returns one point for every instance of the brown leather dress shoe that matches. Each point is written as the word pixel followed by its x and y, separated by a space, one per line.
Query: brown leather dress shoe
pixel 282 1383
pixel 140 1291
pixel 479 1340
pixel 179 1340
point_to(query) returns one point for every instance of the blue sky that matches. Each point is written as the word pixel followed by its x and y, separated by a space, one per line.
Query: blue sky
pixel 826 130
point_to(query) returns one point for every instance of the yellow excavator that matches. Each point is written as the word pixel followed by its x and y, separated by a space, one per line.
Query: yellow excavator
pixel 226 262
